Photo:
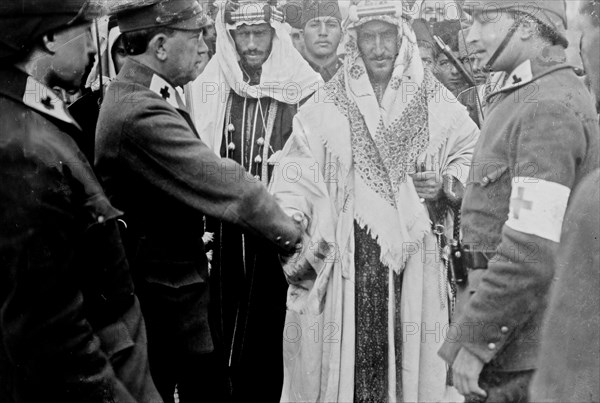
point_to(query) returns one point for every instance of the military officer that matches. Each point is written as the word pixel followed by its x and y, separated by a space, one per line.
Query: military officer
pixel 158 171
pixel 71 329
pixel 539 139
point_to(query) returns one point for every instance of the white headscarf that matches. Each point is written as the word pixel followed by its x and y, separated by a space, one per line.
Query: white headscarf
pixel 286 77
pixel 388 138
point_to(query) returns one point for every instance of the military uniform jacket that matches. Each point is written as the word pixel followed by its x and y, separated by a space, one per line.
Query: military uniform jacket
pixel 66 296
pixel 540 137
pixel 158 171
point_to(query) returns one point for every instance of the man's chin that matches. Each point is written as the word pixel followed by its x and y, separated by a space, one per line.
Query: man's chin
pixel 380 73
pixel 254 63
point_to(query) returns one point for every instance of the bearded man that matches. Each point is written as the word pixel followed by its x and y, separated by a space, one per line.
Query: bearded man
pixel 244 105
pixel 368 297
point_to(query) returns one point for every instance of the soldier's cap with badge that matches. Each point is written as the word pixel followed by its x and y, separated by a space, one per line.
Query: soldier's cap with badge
pixel 299 12
pixel 23 22
pixel 551 13
pixel 137 15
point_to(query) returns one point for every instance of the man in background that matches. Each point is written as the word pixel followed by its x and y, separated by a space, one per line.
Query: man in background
pixel 244 104
pixel 319 23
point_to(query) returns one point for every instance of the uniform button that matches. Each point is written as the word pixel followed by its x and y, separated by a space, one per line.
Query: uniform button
pixel 278 239
pixel 492 346
pixel 486 180
pixel 504 329
pixel 100 219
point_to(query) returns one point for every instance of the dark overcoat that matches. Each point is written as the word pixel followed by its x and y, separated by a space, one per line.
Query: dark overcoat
pixel 569 363
pixel 71 329
pixel 158 171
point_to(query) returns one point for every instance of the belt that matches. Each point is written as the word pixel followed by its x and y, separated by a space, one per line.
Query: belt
pixel 477 260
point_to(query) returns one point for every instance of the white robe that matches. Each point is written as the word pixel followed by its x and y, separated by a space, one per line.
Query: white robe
pixel 315 175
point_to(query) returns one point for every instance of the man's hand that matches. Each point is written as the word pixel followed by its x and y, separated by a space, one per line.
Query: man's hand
pixel 428 184
pixel 465 372
pixel 295 265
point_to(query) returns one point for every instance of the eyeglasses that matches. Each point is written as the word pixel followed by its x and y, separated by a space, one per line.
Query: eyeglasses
pixel 199 33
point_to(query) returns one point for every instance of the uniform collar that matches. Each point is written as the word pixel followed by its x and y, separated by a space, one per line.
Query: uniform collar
pixel 553 58
pixel 24 89
pixel 139 73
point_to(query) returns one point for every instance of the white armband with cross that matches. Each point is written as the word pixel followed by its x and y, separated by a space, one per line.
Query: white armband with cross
pixel 538 207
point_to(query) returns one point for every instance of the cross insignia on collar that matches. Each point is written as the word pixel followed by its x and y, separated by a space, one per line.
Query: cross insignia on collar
pixel 164 92
pixel 516 79
pixel 47 102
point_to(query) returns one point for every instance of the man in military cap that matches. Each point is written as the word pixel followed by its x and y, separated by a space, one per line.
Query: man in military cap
pixel 244 105
pixel 71 328
pixel 165 178
pixel 540 137
pixel 320 25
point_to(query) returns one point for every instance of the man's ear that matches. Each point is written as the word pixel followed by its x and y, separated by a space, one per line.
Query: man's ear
pixel 49 43
pixel 158 46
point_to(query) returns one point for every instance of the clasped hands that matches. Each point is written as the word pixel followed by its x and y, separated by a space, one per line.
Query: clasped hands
pixel 296 267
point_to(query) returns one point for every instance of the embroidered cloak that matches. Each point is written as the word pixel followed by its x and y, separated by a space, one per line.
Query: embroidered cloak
pixel 347 162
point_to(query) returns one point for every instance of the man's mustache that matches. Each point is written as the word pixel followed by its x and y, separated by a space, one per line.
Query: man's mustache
pixel 253 53
pixel 381 58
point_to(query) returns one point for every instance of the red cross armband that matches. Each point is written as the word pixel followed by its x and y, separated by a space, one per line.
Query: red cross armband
pixel 537 207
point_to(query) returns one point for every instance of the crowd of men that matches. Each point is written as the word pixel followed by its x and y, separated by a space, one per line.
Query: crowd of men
pixel 250 201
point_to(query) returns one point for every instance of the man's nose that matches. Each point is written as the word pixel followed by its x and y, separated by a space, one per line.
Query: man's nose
pixel 202 46
pixel 251 42
pixel 322 29
pixel 90 47
pixel 473 33
pixel 379 47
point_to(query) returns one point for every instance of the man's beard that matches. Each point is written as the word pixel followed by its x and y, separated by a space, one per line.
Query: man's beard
pixel 252 71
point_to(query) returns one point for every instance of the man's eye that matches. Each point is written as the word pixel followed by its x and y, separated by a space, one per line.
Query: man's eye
pixel 368 37
pixel 388 36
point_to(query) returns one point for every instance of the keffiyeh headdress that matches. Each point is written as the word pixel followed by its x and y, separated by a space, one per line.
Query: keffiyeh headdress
pixel 388 135
pixel 286 76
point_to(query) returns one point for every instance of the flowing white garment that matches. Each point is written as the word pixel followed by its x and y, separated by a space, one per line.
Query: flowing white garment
pixel 286 77
pixel 323 176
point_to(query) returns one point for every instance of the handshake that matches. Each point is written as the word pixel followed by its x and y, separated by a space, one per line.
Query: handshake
pixel 296 266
